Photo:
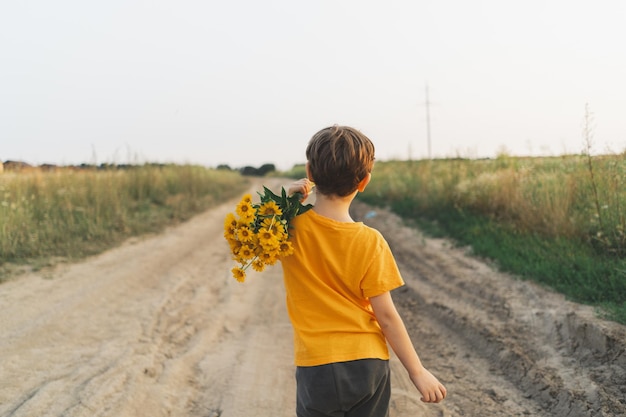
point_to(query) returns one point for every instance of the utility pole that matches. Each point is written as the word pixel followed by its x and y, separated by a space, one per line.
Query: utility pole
pixel 428 123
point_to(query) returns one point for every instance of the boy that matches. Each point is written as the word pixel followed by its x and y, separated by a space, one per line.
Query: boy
pixel 338 284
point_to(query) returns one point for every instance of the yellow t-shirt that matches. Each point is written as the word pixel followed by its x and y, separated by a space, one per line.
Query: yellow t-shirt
pixel 334 270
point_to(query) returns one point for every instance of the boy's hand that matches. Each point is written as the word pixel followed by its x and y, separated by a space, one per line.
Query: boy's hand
pixel 302 186
pixel 431 389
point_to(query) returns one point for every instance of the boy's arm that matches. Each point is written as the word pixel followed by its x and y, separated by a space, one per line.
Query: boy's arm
pixel 394 330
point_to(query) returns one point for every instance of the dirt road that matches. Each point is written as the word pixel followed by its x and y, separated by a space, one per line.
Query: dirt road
pixel 157 327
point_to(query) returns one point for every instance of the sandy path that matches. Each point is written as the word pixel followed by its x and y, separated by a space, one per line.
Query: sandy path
pixel 504 347
pixel 157 327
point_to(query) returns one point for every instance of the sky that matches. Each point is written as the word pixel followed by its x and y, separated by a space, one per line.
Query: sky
pixel 247 82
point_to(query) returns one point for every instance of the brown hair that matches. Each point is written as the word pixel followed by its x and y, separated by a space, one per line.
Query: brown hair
pixel 339 158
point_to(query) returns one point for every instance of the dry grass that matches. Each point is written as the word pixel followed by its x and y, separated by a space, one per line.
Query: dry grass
pixel 545 219
pixel 553 197
pixel 71 213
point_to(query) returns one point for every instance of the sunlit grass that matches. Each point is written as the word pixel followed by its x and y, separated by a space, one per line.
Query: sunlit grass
pixel 545 219
pixel 71 214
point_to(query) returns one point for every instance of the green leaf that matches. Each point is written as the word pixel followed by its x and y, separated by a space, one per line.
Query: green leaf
pixel 291 206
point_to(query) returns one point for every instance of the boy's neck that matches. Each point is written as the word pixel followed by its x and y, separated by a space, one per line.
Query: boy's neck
pixel 334 207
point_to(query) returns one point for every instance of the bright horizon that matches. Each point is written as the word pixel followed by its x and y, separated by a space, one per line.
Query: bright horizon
pixel 248 83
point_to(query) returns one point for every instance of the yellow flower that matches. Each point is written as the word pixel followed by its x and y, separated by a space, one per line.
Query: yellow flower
pixel 230 227
pixel 230 222
pixel 244 222
pixel 269 257
pixel 246 252
pixel 258 265
pixel 247 198
pixel 245 210
pixel 245 234
pixel 233 243
pixel 269 222
pixel 276 227
pixel 239 273
pixel 267 238
pixel 285 248
pixel 229 235
pixel 270 208
pixel 235 246
pixel 279 230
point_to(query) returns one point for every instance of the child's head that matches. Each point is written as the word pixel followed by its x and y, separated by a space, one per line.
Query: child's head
pixel 339 158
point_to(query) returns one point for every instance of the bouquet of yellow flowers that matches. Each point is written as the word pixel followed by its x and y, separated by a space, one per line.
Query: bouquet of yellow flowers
pixel 258 233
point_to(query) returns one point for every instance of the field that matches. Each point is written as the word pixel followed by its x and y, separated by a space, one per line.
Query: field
pixel 154 324
pixel 48 217
pixel 558 221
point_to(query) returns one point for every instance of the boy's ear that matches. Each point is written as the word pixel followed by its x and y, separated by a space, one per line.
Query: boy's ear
pixel 364 182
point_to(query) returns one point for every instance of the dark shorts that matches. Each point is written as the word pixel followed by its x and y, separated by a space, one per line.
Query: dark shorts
pixel 359 388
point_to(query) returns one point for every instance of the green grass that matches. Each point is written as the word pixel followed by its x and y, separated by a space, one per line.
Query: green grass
pixel 537 218
pixel 72 214
pixel 296 172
